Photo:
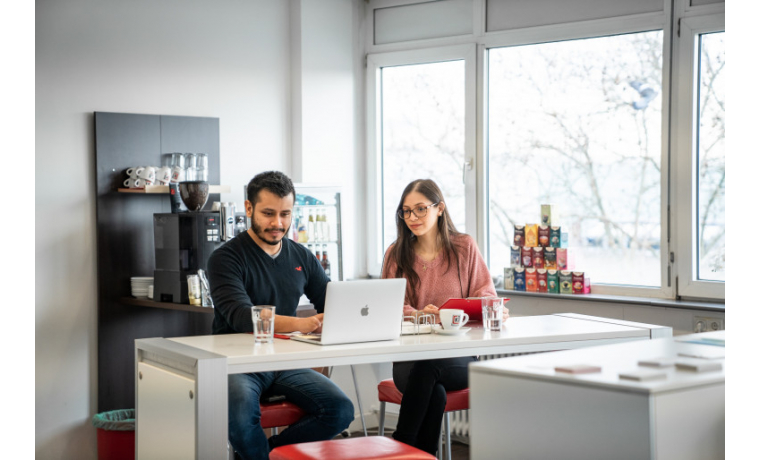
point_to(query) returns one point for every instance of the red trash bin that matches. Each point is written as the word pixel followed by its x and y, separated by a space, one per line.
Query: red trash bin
pixel 116 434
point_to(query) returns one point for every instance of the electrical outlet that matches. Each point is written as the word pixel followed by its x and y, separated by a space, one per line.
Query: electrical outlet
pixel 707 324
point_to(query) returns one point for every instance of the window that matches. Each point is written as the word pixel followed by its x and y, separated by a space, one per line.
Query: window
pixel 699 146
pixel 578 124
pixel 420 126
pixel 422 135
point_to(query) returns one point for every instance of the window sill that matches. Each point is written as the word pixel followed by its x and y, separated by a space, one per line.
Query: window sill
pixel 684 304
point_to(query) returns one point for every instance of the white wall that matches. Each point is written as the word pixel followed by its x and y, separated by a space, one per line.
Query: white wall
pixel 226 59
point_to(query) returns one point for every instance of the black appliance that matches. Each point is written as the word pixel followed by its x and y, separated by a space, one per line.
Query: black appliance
pixel 183 243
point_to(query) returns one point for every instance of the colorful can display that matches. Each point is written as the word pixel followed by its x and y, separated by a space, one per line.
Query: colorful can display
pixel 527 256
pixel 543 280
pixel 550 258
pixel 552 279
pixel 565 282
pixel 531 235
pixel 555 236
pixel 519 279
pixel 519 238
pixel 538 257
pixel 549 214
pixel 515 256
pixel 531 280
pixel 578 284
pixel 543 236
pixel 509 278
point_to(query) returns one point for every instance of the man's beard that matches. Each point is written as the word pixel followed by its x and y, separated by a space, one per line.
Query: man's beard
pixel 262 233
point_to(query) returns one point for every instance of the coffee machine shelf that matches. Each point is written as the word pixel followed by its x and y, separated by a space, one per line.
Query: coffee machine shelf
pixel 145 302
pixel 164 189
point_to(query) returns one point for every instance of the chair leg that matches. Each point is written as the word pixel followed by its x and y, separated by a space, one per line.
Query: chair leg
pixel 359 400
pixel 381 426
pixel 275 430
pixel 439 455
pixel 447 430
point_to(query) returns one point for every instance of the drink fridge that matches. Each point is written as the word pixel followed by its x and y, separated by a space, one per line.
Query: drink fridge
pixel 317 225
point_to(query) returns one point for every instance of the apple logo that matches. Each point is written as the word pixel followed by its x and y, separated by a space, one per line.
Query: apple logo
pixel 365 311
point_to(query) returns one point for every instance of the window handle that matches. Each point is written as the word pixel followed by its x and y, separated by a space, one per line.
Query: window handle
pixel 467 166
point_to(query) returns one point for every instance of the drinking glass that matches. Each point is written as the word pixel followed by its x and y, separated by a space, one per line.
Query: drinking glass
pixel 493 309
pixel 263 323
pixel 201 167
pixel 190 167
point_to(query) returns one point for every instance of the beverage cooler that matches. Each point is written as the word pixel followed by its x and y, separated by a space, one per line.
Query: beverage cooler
pixel 317 225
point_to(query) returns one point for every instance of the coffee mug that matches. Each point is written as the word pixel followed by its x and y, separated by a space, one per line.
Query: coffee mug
pixel 147 174
pixel 163 175
pixel 134 183
pixel 452 319
pixel 132 172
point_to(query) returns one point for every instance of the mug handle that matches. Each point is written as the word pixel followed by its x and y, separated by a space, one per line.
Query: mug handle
pixel 127 183
pixel 130 171
pixel 139 170
pixel 465 318
pixel 137 183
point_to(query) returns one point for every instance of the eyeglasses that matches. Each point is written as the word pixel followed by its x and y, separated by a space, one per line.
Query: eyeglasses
pixel 420 211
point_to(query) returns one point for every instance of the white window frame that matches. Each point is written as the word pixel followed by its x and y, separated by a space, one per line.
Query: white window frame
pixel 684 141
pixel 600 28
pixel 375 64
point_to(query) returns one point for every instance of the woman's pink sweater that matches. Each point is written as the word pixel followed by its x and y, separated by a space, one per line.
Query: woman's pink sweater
pixel 437 284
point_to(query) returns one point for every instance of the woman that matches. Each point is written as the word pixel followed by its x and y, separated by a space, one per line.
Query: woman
pixel 438 263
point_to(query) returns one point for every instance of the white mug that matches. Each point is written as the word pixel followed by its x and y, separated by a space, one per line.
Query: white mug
pixel 147 174
pixel 452 319
pixel 132 172
pixel 163 175
pixel 134 183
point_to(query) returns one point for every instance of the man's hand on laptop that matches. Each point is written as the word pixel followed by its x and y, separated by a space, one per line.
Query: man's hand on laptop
pixel 310 324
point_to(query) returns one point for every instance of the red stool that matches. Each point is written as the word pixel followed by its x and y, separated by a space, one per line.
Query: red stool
pixel 280 413
pixel 455 400
pixel 363 448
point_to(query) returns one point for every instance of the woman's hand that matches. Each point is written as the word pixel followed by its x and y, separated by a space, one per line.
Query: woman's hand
pixel 431 309
pixel 409 310
pixel 505 315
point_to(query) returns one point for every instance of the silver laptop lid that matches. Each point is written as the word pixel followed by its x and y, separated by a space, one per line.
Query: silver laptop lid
pixel 363 311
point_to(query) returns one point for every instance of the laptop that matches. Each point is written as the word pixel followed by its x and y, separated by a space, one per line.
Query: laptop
pixel 360 311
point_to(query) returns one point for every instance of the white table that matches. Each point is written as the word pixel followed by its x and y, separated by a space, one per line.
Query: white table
pixel 181 383
pixel 522 408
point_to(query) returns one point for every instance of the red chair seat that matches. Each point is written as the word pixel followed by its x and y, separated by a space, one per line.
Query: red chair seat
pixel 455 400
pixel 280 413
pixel 364 448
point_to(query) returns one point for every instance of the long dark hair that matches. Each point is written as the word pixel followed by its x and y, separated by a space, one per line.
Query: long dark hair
pixel 403 249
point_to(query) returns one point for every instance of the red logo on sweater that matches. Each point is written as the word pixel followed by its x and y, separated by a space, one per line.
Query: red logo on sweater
pixel 298 268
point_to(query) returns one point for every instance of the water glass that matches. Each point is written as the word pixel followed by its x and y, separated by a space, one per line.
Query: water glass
pixel 493 310
pixel 263 323
pixel 190 167
pixel 201 167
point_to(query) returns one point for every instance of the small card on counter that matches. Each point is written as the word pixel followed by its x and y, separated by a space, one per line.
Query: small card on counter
pixel 658 362
pixel 698 365
pixel 708 353
pixel 643 375
pixel 578 369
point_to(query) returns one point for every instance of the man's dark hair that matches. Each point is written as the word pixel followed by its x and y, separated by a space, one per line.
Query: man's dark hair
pixel 273 181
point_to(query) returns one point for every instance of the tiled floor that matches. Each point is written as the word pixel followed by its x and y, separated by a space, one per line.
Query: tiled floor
pixel 459 451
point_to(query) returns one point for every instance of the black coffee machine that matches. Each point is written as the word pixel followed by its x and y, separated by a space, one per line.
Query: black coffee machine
pixel 183 243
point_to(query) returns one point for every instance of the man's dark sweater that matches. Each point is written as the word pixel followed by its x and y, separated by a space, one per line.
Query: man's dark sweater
pixel 242 275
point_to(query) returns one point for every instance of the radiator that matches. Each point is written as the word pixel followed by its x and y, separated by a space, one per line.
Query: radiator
pixel 460 420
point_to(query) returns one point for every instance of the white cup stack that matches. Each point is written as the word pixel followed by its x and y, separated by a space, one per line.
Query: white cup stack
pixel 140 285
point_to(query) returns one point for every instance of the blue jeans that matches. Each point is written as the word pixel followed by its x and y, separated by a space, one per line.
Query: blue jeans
pixel 328 409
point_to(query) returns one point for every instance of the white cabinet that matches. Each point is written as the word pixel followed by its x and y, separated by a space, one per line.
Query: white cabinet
pixel 522 408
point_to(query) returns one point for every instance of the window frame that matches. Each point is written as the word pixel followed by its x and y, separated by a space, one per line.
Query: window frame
pixel 375 63
pixel 675 239
pixel 684 139
pixel 586 30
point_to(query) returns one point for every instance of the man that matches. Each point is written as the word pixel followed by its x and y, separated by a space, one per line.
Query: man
pixel 263 267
